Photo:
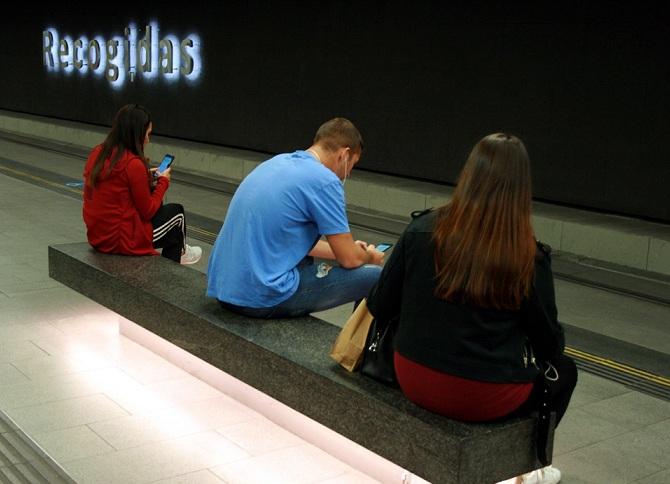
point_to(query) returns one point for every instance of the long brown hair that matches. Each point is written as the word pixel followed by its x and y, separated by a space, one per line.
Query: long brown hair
pixel 128 133
pixel 484 244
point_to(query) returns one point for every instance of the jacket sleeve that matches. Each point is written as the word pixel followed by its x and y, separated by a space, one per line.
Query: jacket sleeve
pixel 384 300
pixel 539 313
pixel 146 202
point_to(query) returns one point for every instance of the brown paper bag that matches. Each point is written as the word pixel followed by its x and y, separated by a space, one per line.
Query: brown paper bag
pixel 350 343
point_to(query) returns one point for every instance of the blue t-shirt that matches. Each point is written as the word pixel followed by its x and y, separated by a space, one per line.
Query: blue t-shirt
pixel 275 217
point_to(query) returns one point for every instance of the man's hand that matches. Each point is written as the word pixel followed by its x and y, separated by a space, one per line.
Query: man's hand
pixel 376 256
pixel 363 245
pixel 351 254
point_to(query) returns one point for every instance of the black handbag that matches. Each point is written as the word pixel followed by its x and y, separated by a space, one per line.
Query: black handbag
pixel 378 356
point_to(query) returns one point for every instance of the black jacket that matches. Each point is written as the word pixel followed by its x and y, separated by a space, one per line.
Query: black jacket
pixel 471 342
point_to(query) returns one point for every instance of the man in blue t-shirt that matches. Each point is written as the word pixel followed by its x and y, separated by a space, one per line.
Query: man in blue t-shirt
pixel 261 264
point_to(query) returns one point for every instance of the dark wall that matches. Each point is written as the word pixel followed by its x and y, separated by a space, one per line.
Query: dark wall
pixel 585 85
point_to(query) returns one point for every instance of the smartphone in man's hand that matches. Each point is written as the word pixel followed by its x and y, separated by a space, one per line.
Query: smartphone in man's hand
pixel 383 247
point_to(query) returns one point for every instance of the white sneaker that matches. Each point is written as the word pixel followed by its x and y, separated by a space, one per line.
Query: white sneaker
pixel 546 475
pixel 191 254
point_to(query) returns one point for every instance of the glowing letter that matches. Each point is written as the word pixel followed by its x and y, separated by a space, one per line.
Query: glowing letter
pixel 78 44
pixel 64 52
pixel 94 49
pixel 145 44
pixel 166 54
pixel 48 50
pixel 112 71
pixel 186 59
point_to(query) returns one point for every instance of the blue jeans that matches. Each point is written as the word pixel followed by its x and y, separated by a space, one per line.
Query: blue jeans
pixel 338 286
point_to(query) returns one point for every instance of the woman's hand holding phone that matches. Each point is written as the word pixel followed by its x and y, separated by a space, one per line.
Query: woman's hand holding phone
pixel 167 173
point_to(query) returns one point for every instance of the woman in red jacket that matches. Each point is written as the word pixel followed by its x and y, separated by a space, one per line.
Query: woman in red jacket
pixel 123 200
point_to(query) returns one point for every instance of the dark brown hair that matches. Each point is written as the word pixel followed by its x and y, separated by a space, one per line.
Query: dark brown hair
pixel 338 133
pixel 128 132
pixel 484 243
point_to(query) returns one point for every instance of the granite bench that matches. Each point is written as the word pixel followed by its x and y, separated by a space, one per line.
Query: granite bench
pixel 288 360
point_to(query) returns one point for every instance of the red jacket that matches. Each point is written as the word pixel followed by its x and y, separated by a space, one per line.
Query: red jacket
pixel 118 211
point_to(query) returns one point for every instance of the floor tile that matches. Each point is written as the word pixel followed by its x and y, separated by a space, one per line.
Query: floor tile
pixel 215 445
pixel 65 413
pixel 20 287
pixel 37 313
pixel 592 388
pixel 648 444
pixel 27 331
pixel 350 478
pixel 580 429
pixel 604 462
pixel 100 322
pixel 631 410
pixel 151 371
pixel 27 273
pixel 282 466
pixel 127 432
pixel 153 462
pixel 218 412
pixel 18 350
pixel 44 390
pixel 102 348
pixel 200 477
pixel 10 375
pixel 47 366
pixel 662 477
pixel 160 419
pixel 72 443
pixel 61 294
pixel 260 436
pixel 187 389
pixel 43 300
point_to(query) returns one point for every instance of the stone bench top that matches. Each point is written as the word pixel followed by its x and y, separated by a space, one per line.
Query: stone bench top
pixel 288 359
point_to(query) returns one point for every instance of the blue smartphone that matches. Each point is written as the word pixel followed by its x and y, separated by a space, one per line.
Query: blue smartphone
pixel 165 164
pixel 383 247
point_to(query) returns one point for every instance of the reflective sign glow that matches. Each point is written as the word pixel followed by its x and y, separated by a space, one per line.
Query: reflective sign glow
pixel 136 56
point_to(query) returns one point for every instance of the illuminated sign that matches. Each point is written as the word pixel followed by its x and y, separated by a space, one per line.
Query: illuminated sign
pixel 132 56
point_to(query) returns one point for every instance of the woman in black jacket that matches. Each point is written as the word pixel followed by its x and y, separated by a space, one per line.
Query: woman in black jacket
pixel 478 325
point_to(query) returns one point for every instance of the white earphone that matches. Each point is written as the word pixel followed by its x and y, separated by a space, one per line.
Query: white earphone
pixel 346 164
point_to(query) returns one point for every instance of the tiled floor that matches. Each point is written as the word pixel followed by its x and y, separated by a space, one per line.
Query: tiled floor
pixel 111 411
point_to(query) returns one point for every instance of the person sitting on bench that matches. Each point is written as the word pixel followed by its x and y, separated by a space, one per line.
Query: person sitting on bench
pixel 123 199
pixel 261 264
pixel 478 337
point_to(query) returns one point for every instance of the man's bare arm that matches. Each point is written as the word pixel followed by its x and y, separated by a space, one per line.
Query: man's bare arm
pixel 351 254
pixel 322 250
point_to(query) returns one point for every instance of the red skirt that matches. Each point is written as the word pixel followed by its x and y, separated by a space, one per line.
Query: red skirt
pixel 456 397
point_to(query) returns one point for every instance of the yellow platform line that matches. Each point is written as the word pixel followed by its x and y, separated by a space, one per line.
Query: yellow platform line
pixel 202 231
pixel 645 375
pixel 40 179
